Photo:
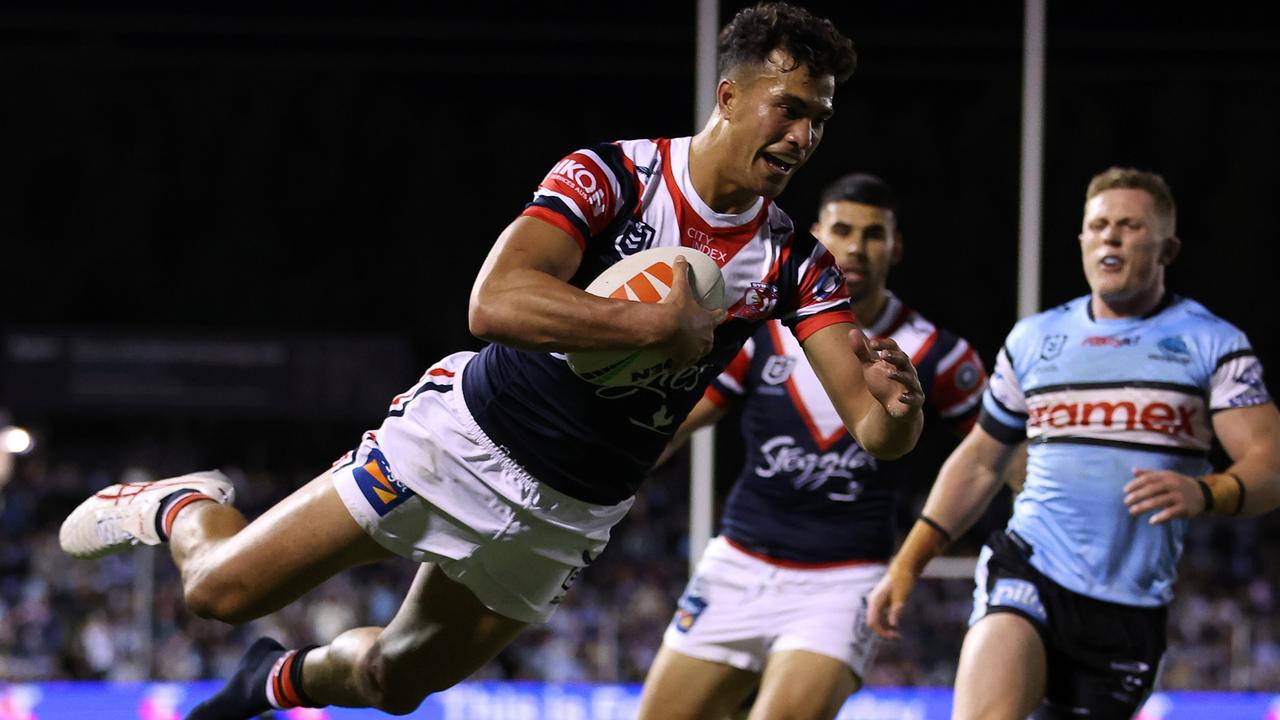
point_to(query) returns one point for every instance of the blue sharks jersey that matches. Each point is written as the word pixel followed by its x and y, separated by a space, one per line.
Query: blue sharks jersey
pixel 808 493
pixel 1096 399
pixel 597 443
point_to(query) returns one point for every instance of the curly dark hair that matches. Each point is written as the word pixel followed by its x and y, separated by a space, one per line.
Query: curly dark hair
pixel 811 41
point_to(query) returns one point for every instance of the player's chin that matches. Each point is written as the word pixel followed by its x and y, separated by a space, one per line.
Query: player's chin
pixel 771 186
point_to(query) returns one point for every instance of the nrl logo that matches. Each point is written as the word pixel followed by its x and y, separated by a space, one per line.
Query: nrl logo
pixel 777 369
pixel 1052 346
pixel 637 236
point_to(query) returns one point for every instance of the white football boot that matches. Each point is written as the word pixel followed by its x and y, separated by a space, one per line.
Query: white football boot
pixel 123 515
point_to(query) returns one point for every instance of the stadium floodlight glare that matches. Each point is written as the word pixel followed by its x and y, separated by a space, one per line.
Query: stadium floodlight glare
pixel 16 441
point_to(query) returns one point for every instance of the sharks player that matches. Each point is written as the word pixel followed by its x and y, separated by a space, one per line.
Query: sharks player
pixel 807 528
pixel 503 472
pixel 1119 394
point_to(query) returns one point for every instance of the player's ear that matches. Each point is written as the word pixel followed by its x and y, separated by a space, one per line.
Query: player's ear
pixel 726 97
pixel 896 257
pixel 1169 253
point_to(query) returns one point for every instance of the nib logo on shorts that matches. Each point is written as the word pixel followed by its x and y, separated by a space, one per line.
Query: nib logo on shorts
pixel 1019 594
pixel 379 484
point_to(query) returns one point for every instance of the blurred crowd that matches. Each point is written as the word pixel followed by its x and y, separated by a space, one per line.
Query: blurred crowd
pixel 123 618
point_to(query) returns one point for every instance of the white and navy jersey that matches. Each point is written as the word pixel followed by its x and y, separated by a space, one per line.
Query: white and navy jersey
pixel 1096 399
pixel 808 494
pixel 597 443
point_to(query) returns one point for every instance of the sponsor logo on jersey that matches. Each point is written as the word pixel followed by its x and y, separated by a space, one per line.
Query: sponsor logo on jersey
pixel 1149 416
pixel 781 455
pixel 687 611
pixel 1051 346
pixel 660 381
pixel 578 178
pixel 777 369
pixel 1110 341
pixel 702 242
pixel 1020 595
pixel 636 236
pixel 379 485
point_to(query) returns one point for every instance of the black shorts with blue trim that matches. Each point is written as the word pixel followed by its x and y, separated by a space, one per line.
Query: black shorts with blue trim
pixel 1102 656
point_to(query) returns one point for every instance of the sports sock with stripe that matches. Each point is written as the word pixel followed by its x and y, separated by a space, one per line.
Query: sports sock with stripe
pixel 268 677
pixel 284 682
pixel 172 504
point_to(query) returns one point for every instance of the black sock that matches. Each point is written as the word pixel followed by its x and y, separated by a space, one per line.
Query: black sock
pixel 245 694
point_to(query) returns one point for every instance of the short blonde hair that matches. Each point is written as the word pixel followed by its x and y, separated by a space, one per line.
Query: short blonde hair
pixel 1134 179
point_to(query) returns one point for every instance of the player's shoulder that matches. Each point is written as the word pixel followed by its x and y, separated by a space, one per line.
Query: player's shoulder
pixel 904 317
pixel 644 153
pixel 1192 331
pixel 905 325
pixel 927 342
pixel 621 159
pixel 1068 314
pixel 1045 332
pixel 780 230
pixel 1185 311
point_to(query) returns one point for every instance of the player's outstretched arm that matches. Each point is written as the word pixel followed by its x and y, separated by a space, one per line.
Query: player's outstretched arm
pixel 874 388
pixel 1250 486
pixel 521 298
pixel 968 481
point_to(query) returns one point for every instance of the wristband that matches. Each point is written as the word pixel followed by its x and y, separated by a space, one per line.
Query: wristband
pixel 1240 500
pixel 1208 496
pixel 934 524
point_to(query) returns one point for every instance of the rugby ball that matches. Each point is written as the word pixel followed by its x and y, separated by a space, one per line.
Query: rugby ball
pixel 646 276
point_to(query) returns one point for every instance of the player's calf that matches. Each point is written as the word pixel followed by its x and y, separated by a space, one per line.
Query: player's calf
pixel 391 690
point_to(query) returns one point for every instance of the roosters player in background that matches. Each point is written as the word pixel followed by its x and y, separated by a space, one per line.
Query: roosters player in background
pixel 779 598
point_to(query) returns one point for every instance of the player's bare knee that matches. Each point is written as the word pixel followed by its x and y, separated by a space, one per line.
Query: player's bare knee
pixel 213 597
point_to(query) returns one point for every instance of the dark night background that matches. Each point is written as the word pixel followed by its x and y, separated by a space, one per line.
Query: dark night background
pixel 231 232
pixel 334 177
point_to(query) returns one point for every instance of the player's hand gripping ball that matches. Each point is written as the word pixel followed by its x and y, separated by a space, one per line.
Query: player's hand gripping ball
pixel 647 276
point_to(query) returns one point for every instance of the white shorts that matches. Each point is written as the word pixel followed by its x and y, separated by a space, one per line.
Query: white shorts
pixel 430 486
pixel 738 609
